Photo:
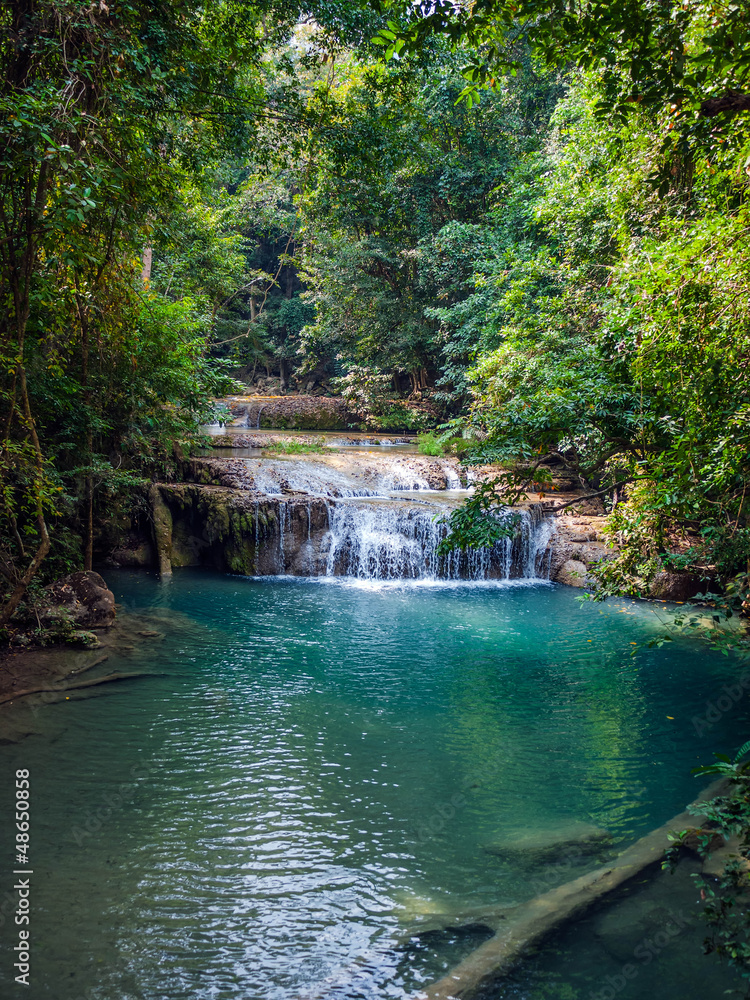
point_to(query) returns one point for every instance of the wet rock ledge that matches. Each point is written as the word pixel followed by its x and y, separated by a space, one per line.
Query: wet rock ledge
pixel 224 519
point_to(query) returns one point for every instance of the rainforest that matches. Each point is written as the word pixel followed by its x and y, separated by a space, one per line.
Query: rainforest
pixel 375 441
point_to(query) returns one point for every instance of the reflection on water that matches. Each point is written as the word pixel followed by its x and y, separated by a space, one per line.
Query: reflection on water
pixel 314 766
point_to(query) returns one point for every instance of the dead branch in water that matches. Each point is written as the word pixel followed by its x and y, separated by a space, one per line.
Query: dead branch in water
pixel 61 688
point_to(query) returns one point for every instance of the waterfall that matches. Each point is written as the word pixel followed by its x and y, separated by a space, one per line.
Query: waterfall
pixel 392 541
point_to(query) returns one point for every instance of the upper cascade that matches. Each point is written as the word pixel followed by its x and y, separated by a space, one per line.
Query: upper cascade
pixel 354 475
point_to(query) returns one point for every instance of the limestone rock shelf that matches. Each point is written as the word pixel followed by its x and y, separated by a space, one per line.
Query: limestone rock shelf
pixel 262 514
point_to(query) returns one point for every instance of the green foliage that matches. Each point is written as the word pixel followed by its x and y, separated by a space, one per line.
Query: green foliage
pixel 724 907
pixel 691 60
pixel 109 115
pixel 298 447
pixel 430 443
pixel 610 332
pixel 481 521
pixel 392 206
pixel 728 767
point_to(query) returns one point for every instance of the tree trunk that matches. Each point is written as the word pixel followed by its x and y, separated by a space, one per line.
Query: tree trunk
pixel 732 102
pixel 148 259
pixel 88 483
pixel 6 613
pixel 88 550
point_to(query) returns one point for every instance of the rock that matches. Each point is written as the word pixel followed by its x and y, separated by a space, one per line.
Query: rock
pixel 573 573
pixel 571 837
pixel 89 640
pixel 675 585
pixel 592 508
pixel 581 540
pixel 290 412
pixel 724 854
pixel 86 599
pixel 622 929
pixel 162 519
pixel 135 554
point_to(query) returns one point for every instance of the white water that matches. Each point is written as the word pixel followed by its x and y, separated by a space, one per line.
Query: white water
pixel 359 477
pixel 377 541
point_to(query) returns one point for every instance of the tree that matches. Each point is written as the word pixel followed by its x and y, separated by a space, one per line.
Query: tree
pixel 644 51
pixel 103 111
pixel 401 184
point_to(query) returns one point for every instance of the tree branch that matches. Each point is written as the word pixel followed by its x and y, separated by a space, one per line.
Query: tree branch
pixel 731 103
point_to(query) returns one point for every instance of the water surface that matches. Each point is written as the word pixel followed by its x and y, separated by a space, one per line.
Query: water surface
pixel 314 764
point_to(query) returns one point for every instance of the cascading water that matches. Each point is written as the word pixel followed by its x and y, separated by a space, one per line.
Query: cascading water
pixel 377 541
pixel 358 476
pixel 365 518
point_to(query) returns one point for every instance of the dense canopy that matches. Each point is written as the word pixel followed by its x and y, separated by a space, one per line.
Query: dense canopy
pixel 530 219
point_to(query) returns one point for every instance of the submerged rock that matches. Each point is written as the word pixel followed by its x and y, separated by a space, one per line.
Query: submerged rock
pixel 570 838
pixel 626 930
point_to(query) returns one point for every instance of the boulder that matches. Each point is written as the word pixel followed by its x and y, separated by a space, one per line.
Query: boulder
pixel 675 585
pixel 579 540
pixel 573 572
pixel 85 598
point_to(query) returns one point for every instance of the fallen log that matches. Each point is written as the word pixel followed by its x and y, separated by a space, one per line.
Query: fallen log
pixel 62 689
pixel 532 921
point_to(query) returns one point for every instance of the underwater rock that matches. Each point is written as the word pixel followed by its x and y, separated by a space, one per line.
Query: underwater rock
pixel 625 930
pixel 427 916
pixel 530 922
pixel 563 841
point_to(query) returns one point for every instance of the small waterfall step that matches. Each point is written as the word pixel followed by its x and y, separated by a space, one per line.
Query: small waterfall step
pixel 388 541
